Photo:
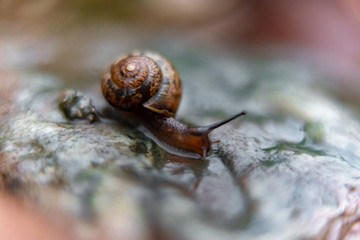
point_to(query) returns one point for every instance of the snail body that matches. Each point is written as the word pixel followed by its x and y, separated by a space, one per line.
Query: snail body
pixel 146 88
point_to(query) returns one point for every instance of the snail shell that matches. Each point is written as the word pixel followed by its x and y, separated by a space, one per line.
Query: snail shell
pixel 143 79
pixel 147 89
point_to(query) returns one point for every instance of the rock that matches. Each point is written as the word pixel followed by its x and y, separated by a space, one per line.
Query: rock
pixel 288 170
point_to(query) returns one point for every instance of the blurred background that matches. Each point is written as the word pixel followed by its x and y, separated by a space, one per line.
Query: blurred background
pixel 77 39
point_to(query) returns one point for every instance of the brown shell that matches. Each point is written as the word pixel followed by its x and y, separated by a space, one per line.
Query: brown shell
pixel 131 81
pixel 143 78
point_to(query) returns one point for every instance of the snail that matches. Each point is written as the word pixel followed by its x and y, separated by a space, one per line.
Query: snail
pixel 145 87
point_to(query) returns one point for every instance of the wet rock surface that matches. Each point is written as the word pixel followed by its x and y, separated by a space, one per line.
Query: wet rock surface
pixel 288 170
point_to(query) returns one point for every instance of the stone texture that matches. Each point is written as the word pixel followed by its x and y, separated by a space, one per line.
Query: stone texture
pixel 288 170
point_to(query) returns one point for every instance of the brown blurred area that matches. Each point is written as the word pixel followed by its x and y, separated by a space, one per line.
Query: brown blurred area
pixel 18 222
pixel 326 33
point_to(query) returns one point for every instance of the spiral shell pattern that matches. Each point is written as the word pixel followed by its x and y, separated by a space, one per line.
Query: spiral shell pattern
pixel 131 81
pixel 143 79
